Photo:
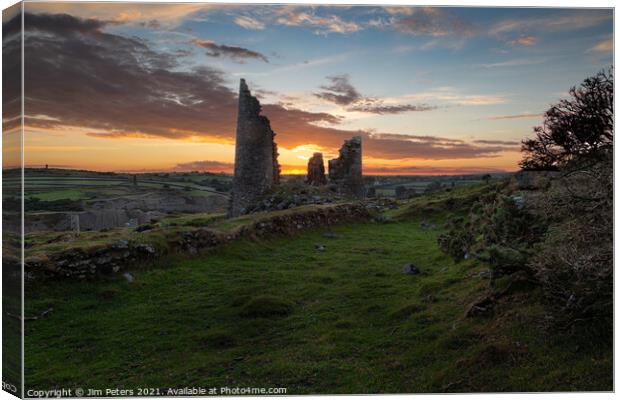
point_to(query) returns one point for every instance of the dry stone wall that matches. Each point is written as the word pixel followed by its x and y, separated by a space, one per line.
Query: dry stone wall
pixel 106 260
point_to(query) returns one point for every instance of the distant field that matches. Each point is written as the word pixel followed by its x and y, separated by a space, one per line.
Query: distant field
pixel 54 184
pixel 58 184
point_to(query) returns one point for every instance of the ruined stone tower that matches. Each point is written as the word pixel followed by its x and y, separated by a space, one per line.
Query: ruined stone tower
pixel 256 154
pixel 345 172
pixel 316 170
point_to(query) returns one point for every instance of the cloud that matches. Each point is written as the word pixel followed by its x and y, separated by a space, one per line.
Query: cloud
pixel 249 23
pixel 509 143
pixel 295 16
pixel 558 22
pixel 604 46
pixel 528 40
pixel 453 97
pixel 513 63
pixel 427 170
pixel 340 91
pixel 395 146
pixel 118 87
pixel 220 50
pixel 379 108
pixel 519 116
pixel 429 21
pixel 168 15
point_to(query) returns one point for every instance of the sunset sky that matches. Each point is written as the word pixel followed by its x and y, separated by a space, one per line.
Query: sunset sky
pixel 152 87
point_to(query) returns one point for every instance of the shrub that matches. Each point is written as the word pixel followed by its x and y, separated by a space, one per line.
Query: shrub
pixel 457 242
pixel 575 262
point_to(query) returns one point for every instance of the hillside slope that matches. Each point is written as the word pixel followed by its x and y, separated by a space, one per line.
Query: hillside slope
pixel 284 312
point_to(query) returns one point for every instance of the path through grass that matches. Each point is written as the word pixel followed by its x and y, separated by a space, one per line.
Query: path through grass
pixel 279 313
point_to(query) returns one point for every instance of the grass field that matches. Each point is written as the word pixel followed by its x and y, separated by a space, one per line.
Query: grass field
pixel 279 313
pixel 64 184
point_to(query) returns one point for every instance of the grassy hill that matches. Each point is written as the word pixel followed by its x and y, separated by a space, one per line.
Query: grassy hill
pixel 280 313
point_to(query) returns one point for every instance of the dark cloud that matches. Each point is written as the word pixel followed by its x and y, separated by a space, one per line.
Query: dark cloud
pixel 431 21
pixel 391 109
pixel 119 87
pixel 63 23
pixel 419 138
pixel 340 91
pixel 11 73
pixel 343 93
pixel 88 78
pixel 394 146
pixel 238 54
pixel 152 24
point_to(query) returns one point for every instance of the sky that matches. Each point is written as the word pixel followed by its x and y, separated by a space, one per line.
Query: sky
pixel 153 87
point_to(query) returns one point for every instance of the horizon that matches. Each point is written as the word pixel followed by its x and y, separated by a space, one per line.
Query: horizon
pixel 231 173
pixel 434 91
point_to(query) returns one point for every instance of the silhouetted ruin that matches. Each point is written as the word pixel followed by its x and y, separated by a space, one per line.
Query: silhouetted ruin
pixel 345 172
pixel 256 154
pixel 316 170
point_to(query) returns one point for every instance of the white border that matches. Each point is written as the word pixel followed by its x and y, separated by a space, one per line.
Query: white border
pixel 471 3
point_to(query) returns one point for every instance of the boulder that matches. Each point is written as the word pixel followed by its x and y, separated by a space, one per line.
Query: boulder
pixel 410 269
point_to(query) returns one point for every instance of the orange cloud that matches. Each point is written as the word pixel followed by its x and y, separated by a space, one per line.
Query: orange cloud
pixel 604 46
pixel 525 41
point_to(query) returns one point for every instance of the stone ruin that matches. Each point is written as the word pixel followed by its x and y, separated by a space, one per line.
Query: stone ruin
pixel 316 170
pixel 345 172
pixel 256 154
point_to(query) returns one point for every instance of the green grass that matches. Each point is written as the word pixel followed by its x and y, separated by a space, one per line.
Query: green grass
pixel 69 194
pixel 279 313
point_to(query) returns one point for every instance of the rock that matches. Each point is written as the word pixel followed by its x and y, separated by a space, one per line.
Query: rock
pixel 519 201
pixel 384 219
pixel 122 244
pixel 410 269
pixel 482 307
pixel 320 247
pixel 129 277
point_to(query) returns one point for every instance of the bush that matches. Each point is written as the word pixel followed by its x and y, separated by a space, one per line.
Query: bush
pixel 575 262
pixel 498 231
pixel 457 242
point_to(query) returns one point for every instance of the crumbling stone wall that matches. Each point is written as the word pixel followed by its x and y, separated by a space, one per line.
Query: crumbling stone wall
pixel 345 172
pixel 316 170
pixel 256 154
pixel 105 260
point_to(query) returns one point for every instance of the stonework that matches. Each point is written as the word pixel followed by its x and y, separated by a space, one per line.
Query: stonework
pixel 256 154
pixel 345 172
pixel 316 170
